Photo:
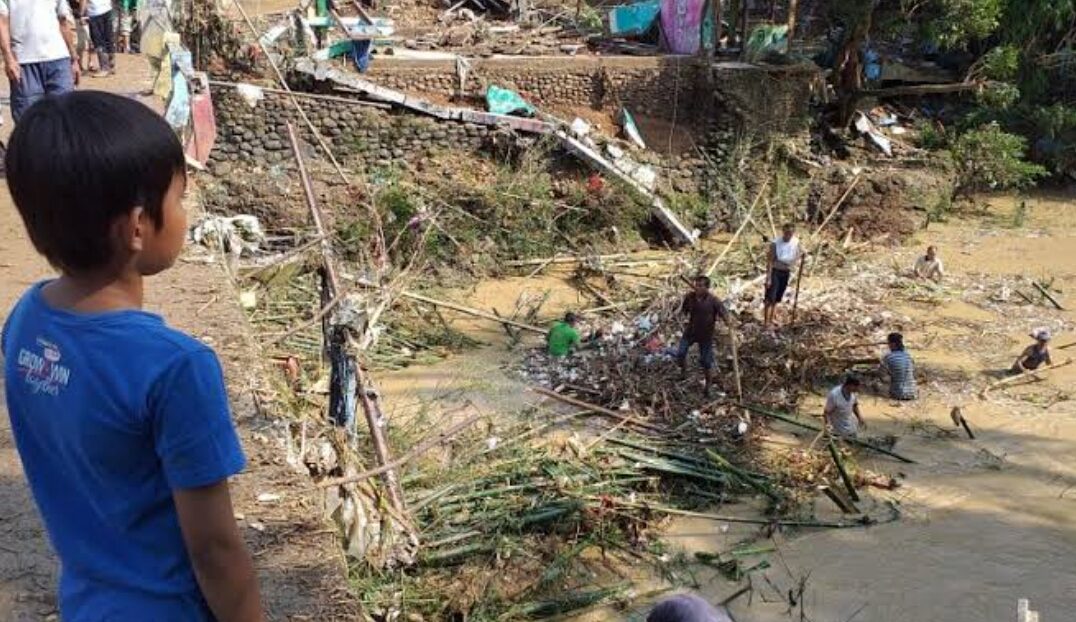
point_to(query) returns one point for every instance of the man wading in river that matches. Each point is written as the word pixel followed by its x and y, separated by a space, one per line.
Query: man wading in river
pixel 701 309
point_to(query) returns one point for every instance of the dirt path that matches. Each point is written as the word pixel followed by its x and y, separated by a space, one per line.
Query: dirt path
pixel 299 562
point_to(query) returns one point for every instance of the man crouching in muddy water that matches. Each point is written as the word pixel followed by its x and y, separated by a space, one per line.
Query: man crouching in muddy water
pixel 701 310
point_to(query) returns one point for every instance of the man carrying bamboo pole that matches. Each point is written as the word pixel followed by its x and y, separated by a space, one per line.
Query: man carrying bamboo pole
pixel 781 257
pixel 701 310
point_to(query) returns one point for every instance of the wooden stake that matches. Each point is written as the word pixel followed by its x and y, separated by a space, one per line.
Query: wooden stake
pixel 845 505
pixel 849 486
pixel 370 406
pixel 1046 293
pixel 793 6
pixel 799 282
pixel 1023 376
pixel 1067 346
pixel 598 409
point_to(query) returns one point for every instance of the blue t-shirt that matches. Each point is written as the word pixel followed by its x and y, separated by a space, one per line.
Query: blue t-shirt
pixel 111 412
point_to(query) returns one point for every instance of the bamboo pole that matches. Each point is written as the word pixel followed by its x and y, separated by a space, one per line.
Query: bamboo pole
pixel 440 439
pixel 793 6
pixel 1046 294
pixel 810 426
pixel 727 519
pixel 836 206
pixel 1067 346
pixel 455 307
pixel 285 256
pixel 848 485
pixel 294 100
pixel 301 95
pixel 370 408
pixel 845 505
pixel 736 235
pixel 799 282
pixel 1030 374
pixel 319 316
pixel 598 409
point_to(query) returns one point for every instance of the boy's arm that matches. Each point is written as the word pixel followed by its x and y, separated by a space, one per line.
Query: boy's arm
pixel 859 416
pixel 219 557
pixel 771 256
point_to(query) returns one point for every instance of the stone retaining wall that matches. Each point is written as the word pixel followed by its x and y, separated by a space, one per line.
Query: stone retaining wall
pixel 259 135
pixel 665 87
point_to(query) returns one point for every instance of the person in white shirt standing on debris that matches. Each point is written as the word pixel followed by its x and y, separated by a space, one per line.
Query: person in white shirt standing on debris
pixel 782 257
pixel 102 33
pixel 842 409
pixel 38 45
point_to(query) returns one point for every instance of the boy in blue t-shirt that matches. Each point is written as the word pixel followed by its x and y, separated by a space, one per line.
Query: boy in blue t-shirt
pixel 122 423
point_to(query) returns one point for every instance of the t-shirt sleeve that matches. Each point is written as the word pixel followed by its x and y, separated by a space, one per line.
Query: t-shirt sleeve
pixel 63 10
pixel 685 306
pixel 573 337
pixel 193 432
pixel 721 311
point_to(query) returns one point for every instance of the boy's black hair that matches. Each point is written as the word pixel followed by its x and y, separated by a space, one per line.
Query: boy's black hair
pixel 77 162
pixel 570 318
pixel 705 279
pixel 896 340
pixel 852 380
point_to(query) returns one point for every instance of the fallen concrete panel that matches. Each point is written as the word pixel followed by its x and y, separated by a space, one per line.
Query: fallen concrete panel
pixel 587 154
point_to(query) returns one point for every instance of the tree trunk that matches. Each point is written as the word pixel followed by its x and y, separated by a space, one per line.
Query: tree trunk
pixel 793 6
pixel 743 28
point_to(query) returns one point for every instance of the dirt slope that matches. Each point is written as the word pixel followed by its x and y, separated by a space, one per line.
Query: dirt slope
pixel 299 563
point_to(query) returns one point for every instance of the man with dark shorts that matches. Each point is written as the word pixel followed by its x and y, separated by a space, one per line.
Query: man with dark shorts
pixel 701 309
pixel 38 45
pixel 782 256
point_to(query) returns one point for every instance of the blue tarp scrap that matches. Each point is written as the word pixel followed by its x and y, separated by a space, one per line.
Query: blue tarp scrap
pixel 633 19
pixel 360 54
pixel 178 113
pixel 504 101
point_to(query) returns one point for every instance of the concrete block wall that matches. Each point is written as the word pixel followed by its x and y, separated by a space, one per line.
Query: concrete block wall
pixel 258 136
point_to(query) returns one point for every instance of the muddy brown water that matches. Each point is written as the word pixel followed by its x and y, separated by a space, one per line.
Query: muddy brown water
pixel 984 522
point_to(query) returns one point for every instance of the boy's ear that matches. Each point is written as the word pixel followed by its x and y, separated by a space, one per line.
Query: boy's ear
pixel 133 228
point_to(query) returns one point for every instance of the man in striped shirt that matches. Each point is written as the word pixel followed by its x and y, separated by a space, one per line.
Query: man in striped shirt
pixel 898 364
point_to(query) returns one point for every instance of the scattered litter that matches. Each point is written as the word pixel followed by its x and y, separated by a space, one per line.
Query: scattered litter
pixel 250 94
pixel 866 127
pixel 268 497
pixel 506 102
pixel 631 131
pixel 240 235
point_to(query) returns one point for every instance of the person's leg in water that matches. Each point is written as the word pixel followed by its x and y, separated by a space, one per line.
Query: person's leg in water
pixel 681 355
pixel 706 353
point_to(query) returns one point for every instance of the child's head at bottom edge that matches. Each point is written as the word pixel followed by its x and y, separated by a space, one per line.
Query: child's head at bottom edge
pixel 99 179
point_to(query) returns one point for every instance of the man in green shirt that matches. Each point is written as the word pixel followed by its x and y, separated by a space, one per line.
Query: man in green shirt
pixel 563 336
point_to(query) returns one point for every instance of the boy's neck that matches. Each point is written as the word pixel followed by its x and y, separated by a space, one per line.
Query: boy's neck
pixel 95 293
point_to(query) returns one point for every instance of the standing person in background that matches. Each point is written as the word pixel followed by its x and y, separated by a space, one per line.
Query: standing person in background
pixel 898 364
pixel 783 254
pixel 38 45
pixel 83 46
pixel 100 15
pixel 128 14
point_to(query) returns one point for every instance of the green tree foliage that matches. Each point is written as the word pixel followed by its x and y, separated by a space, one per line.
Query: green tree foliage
pixel 960 22
pixel 991 159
